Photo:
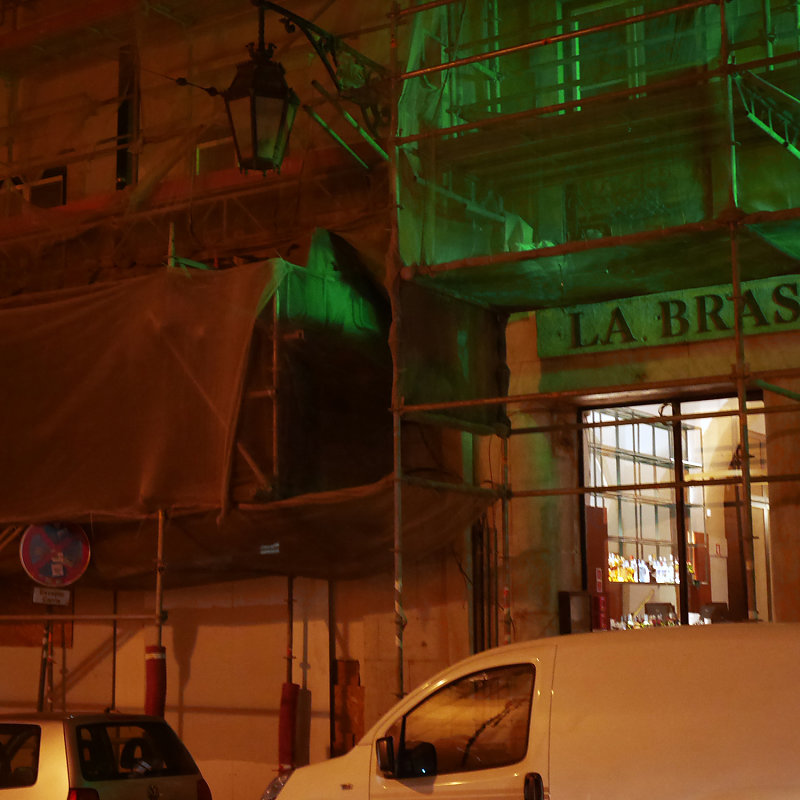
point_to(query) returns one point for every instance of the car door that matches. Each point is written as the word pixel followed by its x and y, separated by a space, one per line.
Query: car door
pixel 478 736
pixel 33 763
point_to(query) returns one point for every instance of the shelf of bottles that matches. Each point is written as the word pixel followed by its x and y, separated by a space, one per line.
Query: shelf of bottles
pixel 653 569
pixel 643 621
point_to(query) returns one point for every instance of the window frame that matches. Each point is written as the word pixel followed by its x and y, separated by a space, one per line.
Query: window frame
pixel 398 729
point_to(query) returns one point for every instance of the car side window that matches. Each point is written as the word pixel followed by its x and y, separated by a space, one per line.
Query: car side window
pixel 19 754
pixel 477 722
pixel 125 750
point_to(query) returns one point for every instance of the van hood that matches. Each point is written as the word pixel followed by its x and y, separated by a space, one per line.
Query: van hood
pixel 339 778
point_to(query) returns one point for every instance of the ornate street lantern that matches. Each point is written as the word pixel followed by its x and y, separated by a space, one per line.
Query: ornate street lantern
pixel 261 108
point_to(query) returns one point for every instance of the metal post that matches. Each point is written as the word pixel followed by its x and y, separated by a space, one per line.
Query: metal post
pixel 160 578
pixel 332 677
pixel 394 278
pixel 740 369
pixel 276 354
pixel 114 654
pixel 741 373
pixel 506 547
pixel 680 523
pixel 290 628
pixel 43 665
pixel 517 48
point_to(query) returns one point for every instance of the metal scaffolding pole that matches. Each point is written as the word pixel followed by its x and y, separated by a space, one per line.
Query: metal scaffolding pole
pixel 744 506
pixel 507 619
pixel 393 284
pixel 160 578
pixel 632 20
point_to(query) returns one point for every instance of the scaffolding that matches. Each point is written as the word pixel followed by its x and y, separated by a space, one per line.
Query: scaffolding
pixel 511 126
pixel 515 99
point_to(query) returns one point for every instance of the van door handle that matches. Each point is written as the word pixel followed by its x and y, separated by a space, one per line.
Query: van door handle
pixel 534 787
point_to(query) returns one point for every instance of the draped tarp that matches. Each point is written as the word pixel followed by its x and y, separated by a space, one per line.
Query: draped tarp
pixel 341 534
pixel 122 398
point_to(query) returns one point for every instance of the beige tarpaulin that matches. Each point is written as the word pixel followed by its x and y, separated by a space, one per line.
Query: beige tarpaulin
pixel 122 398
pixel 340 534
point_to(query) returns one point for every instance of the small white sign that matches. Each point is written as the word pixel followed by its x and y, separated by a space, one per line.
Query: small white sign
pixel 50 597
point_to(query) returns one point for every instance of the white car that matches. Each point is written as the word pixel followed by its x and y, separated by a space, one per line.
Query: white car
pixel 89 756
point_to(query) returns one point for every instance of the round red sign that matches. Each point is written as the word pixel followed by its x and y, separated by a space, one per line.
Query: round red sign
pixel 54 554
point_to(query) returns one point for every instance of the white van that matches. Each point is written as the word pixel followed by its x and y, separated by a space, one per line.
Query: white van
pixel 707 712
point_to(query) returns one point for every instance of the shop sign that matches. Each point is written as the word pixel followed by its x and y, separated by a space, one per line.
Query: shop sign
pixel 691 315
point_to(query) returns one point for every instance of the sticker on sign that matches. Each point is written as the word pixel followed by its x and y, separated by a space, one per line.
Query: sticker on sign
pixel 51 597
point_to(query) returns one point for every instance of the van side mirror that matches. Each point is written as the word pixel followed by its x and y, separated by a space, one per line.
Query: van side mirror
pixel 384 749
pixel 417 760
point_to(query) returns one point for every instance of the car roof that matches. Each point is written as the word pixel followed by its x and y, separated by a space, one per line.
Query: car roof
pixel 76 716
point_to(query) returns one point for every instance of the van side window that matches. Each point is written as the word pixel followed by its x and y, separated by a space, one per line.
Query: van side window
pixel 477 722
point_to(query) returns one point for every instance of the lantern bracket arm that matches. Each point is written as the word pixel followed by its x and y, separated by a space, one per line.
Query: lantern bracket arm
pixel 327 46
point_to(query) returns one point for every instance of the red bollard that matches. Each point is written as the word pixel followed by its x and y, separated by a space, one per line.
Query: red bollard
pixel 155 698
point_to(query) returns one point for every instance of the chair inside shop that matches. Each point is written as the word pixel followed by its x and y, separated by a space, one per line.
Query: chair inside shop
pixel 714 612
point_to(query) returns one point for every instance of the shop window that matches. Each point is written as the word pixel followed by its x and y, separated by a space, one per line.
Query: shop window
pixel 647 530
pixel 478 722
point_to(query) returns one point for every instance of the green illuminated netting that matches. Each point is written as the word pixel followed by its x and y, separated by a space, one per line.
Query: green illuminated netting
pixel 631 136
pixel 325 293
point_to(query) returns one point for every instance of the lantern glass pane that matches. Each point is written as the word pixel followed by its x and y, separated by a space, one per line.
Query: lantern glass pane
pixel 239 110
pixel 269 121
pixel 291 110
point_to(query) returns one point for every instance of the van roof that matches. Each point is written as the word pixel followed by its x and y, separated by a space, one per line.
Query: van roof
pixel 748 634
